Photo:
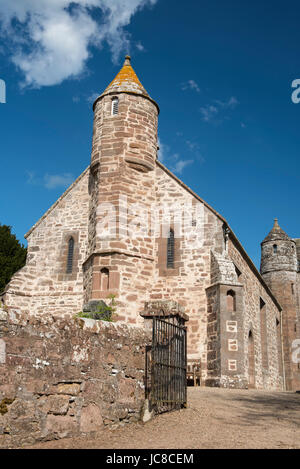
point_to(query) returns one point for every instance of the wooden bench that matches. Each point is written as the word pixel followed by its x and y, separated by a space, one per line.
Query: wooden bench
pixel 194 371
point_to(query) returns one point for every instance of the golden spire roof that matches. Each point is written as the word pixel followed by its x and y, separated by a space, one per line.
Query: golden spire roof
pixel 126 81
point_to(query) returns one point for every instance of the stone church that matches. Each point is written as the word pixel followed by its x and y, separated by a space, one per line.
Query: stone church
pixel 96 241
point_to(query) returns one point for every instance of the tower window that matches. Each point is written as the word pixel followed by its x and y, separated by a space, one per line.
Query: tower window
pixel 104 279
pixel 275 249
pixel 231 301
pixel 70 255
pixel 170 250
pixel 264 334
pixel 115 106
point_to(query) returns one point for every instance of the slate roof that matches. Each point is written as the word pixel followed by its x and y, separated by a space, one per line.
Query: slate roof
pixel 276 233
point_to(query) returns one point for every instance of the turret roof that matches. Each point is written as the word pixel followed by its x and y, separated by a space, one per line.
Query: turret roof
pixel 126 81
pixel 276 233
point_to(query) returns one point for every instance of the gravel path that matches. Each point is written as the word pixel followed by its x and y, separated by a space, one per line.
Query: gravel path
pixel 215 418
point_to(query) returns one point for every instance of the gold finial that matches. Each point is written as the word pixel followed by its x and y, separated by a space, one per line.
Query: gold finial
pixel 127 60
pixel 276 222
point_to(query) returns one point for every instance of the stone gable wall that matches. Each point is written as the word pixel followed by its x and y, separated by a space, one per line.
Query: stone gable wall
pixel 42 284
pixel 63 378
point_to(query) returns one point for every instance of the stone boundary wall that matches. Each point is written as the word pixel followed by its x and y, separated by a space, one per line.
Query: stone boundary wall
pixel 62 378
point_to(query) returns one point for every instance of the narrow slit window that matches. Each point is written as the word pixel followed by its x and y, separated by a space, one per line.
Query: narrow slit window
pixel 170 250
pixel 275 249
pixel 70 255
pixel 104 279
pixel 115 106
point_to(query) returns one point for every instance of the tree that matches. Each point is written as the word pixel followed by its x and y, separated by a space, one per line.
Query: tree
pixel 12 255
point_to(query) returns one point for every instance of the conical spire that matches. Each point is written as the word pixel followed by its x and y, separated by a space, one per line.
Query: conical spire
pixel 126 81
pixel 276 233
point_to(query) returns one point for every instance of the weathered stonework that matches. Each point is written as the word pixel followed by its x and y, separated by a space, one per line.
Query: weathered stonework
pixel 43 284
pixel 280 262
pixel 271 376
pixel 61 378
pixel 240 323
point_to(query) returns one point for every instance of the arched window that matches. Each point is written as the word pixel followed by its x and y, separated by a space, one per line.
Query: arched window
pixel 251 361
pixel 104 279
pixel 70 255
pixel 264 334
pixel 279 346
pixel 231 303
pixel 115 106
pixel 170 250
pixel 275 248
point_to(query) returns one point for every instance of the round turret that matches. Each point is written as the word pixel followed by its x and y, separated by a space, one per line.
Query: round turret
pixel 297 241
pixel 122 176
pixel 278 251
pixel 125 124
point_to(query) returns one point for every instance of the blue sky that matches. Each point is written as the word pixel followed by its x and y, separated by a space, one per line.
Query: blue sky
pixel 221 73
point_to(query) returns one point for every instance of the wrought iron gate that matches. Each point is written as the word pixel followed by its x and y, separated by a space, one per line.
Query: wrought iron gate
pixel 168 385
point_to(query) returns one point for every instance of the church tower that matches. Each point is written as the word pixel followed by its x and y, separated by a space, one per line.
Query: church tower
pixel 121 187
pixel 279 270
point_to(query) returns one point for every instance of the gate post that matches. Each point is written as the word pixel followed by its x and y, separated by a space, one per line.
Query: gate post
pixel 166 374
pixel 163 309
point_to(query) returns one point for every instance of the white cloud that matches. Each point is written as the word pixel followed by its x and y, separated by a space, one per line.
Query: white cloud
pixel 92 98
pixel 53 181
pixel 163 151
pixel 230 104
pixel 140 47
pixel 195 149
pixel 50 40
pixel 190 85
pixel 211 111
pixel 31 179
pixel 172 160
pixel 180 165
pixel 50 181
